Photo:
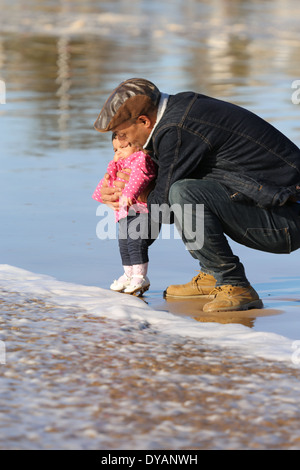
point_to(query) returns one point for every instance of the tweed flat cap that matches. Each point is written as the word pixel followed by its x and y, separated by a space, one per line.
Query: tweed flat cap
pixel 130 99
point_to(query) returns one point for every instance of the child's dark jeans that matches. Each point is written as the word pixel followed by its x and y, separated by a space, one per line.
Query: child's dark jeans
pixel 136 234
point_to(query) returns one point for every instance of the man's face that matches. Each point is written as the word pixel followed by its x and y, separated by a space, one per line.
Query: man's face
pixel 135 132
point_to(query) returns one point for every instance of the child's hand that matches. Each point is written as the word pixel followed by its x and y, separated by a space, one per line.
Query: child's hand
pixel 125 201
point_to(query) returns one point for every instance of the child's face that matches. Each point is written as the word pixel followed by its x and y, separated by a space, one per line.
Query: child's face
pixel 123 150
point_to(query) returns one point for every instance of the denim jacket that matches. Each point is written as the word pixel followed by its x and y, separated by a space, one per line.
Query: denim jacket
pixel 202 137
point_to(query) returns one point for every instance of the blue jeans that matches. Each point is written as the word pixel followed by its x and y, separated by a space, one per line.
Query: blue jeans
pixel 276 230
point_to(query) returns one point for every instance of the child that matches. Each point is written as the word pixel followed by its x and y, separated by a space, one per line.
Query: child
pixel 133 248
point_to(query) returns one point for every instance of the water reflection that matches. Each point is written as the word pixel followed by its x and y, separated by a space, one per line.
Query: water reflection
pixel 60 59
pixel 63 92
pixel 194 308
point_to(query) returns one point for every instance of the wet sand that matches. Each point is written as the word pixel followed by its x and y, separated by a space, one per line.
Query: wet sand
pixel 193 308
pixel 73 381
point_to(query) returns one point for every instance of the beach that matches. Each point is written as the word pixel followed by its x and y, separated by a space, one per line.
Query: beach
pixel 82 367
pixel 87 371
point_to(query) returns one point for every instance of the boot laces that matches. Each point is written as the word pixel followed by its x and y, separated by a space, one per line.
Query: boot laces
pixel 198 278
pixel 219 289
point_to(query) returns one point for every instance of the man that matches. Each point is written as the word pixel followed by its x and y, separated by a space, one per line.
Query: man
pixel 243 171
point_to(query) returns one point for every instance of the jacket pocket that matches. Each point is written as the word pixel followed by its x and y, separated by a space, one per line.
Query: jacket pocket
pixel 270 240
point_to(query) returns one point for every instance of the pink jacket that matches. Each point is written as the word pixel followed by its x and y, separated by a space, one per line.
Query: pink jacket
pixel 143 170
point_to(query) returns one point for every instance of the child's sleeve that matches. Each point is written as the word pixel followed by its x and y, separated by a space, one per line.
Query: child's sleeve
pixel 143 170
pixel 112 171
pixel 97 192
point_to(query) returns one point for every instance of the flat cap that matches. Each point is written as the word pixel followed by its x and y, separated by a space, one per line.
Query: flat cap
pixel 130 99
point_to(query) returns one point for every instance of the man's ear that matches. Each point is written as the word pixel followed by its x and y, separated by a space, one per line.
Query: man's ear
pixel 145 120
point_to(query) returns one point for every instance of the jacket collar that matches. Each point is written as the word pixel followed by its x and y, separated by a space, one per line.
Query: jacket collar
pixel 161 109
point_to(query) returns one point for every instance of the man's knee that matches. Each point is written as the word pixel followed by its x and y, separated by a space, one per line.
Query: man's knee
pixel 191 191
pixel 177 191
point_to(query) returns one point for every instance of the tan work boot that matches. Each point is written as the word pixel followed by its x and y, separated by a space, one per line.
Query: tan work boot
pixel 228 298
pixel 200 286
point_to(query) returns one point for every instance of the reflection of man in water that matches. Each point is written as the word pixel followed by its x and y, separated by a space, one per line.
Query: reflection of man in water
pixel 244 171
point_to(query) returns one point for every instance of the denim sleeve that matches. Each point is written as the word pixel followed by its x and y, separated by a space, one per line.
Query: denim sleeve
pixel 179 154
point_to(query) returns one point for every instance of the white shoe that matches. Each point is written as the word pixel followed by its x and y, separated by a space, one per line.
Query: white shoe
pixel 120 284
pixel 138 286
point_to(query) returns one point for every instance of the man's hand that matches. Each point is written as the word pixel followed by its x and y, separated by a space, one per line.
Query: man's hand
pixel 124 175
pixel 110 195
pixel 144 194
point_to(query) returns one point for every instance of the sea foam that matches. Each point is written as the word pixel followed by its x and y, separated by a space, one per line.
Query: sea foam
pixel 100 302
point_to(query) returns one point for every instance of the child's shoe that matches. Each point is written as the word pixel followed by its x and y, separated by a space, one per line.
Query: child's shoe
pixel 138 284
pixel 120 284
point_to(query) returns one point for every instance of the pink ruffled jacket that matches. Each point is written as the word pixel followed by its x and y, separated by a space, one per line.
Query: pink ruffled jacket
pixel 143 170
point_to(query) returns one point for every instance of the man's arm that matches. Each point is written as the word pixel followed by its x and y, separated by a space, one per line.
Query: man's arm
pixel 111 195
pixel 180 155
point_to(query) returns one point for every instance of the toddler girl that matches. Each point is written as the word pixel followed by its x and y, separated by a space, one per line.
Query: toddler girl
pixel 134 225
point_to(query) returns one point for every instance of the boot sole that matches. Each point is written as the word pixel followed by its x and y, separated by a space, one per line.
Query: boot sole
pixel 198 296
pixel 117 290
pixel 141 290
pixel 255 304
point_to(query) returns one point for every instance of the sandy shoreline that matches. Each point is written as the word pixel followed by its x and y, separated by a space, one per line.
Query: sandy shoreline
pixel 74 381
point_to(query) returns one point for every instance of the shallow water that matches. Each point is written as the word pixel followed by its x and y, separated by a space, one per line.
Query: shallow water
pixel 59 60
